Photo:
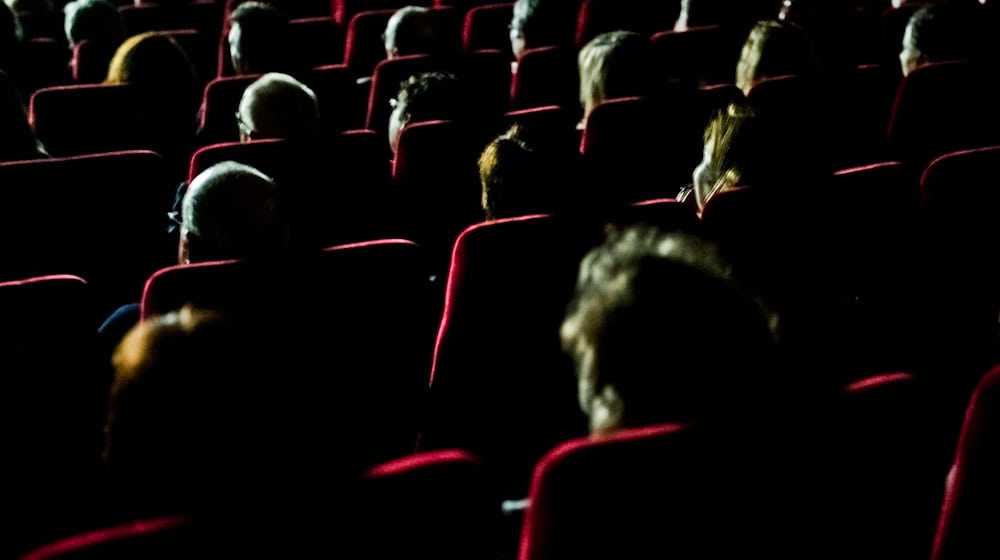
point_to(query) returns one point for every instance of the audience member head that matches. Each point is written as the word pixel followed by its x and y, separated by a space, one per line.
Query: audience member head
pixel 517 178
pixel 182 411
pixel 772 49
pixel 660 332
pixel 153 61
pixel 18 141
pixel 614 65
pixel 541 23
pixel 278 106
pixel 93 20
pixel 258 37
pixel 231 211
pixel 427 97
pixel 935 33
pixel 31 6
pixel 10 32
pixel 739 151
pixel 411 30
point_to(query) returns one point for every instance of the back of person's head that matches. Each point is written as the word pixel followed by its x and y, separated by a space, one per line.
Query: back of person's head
pixel 411 30
pixel 93 20
pixel 542 23
pixel 278 106
pixel 153 61
pixel 31 6
pixel 518 178
pixel 232 211
pixel 660 332
pixel 614 65
pixel 18 140
pixel 182 411
pixel 430 96
pixel 258 37
pixel 739 151
pixel 775 48
pixel 937 33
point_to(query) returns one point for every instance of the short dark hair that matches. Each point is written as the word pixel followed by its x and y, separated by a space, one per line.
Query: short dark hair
pixel 661 318
pixel 93 20
pixel 263 36
pixel 940 32
pixel 433 96
pixel 545 22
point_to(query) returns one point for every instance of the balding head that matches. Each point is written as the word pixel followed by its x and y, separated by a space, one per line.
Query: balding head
pixel 410 31
pixel 278 106
pixel 231 211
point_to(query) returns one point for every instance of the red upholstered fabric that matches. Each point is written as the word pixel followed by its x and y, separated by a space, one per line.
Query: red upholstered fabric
pixel 344 10
pixel 220 102
pixel 364 47
pixel 360 314
pixel 941 108
pixel 969 515
pixel 439 504
pixel 601 16
pixel 144 538
pixel 546 76
pixel 705 54
pixel 485 27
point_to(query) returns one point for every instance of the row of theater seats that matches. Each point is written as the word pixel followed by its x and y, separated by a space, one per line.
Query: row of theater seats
pixel 673 490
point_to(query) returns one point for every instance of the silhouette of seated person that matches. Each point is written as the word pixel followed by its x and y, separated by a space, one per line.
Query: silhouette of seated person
pixel 163 79
pixel 18 141
pixel 259 40
pixel 99 23
pixel 411 30
pixel 937 34
pixel 232 211
pixel 430 96
pixel 93 20
pixel 775 48
pixel 198 425
pixel 542 23
pixel 611 66
pixel 324 210
pixel 660 331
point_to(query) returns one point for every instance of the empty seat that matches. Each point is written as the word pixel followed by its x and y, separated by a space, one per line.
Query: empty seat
pixel 546 76
pixel 501 386
pixel 118 117
pixel 969 514
pixel 343 103
pixel 440 504
pixel 601 16
pixel 319 41
pixel 665 491
pixel 640 148
pixel 90 61
pixel 368 352
pixel 706 54
pixel 100 217
pixel 51 407
pixel 485 27
pixel 365 46
pixel 344 10
pixel 886 466
pixel 163 537
pixel 942 108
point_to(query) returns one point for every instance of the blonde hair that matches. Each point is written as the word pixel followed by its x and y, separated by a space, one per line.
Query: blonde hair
pixel 151 59
pixel 733 143
pixel 613 65
pixel 774 48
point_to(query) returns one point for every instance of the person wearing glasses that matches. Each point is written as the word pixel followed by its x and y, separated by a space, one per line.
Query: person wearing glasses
pixel 278 106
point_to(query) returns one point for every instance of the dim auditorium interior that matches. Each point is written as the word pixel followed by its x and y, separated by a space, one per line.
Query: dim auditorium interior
pixel 460 279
